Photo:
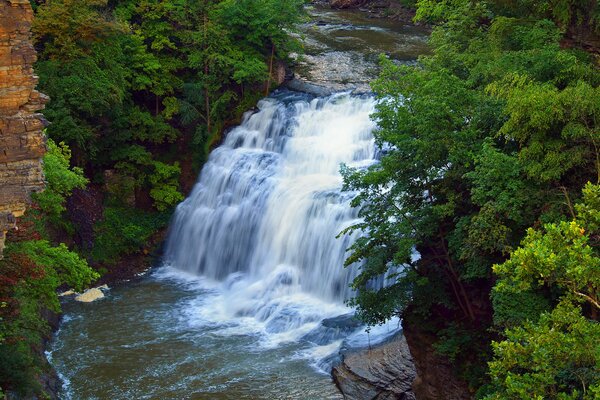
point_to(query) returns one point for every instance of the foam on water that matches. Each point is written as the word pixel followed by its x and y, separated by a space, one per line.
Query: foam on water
pixel 260 227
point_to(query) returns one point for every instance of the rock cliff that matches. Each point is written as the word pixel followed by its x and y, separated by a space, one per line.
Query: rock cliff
pixel 21 128
pixel 385 372
pixel 436 375
pixel 404 368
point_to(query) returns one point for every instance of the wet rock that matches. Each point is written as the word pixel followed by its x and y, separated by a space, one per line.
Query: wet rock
pixel 308 87
pixel 90 295
pixel 346 321
pixel 346 3
pixel 332 329
pixel 384 372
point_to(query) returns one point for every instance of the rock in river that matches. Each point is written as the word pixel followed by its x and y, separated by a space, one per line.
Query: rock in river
pixel 346 3
pixel 90 295
pixel 384 372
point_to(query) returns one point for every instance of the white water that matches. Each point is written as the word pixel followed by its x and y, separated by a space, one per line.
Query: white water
pixel 262 221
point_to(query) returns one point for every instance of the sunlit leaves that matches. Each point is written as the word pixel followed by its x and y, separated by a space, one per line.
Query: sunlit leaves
pixel 557 357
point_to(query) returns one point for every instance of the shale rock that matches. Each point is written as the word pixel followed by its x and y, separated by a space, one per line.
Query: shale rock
pixel 22 142
pixel 384 372
pixel 436 378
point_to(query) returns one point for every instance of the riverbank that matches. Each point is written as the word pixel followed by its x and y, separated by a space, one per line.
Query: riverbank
pixel 393 10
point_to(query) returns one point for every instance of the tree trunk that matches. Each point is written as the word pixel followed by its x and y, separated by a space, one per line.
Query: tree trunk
pixel 270 70
pixel 456 280
pixel 206 72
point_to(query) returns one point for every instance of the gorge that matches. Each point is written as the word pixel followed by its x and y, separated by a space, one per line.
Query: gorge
pixel 250 301
pixel 300 199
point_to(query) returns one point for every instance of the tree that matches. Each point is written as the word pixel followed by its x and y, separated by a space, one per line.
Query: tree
pixel 61 179
pixel 496 131
pixel 555 355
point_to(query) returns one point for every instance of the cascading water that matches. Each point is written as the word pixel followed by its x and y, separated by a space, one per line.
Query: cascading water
pixel 256 283
pixel 264 217
pixel 268 200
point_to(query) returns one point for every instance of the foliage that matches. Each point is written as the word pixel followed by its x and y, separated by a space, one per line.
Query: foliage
pixel 557 356
pixel 118 73
pixel 494 133
pixel 29 277
pixel 136 87
pixel 61 179
pixel 31 273
pixel 124 231
pixel 563 255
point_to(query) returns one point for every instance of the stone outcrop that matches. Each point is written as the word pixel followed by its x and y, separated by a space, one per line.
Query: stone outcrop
pixel 385 372
pixel 22 142
pixel 406 367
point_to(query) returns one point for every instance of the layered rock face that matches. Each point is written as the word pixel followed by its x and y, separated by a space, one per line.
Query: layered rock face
pixel 385 372
pixel 22 141
pixel 436 376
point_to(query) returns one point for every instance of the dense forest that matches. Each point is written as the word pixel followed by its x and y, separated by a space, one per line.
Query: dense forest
pixel 490 171
pixel 140 92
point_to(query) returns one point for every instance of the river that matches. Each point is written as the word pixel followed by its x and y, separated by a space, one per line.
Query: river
pixel 249 302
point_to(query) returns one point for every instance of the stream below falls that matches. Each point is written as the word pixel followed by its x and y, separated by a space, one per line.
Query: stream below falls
pixel 249 301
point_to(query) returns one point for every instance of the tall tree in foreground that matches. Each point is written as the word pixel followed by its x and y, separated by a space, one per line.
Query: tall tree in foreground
pixel 495 132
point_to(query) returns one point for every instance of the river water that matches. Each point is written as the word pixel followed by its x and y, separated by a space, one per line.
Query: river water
pixel 249 303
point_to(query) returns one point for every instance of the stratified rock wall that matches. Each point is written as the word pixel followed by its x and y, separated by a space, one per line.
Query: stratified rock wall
pixel 21 128
pixel 385 372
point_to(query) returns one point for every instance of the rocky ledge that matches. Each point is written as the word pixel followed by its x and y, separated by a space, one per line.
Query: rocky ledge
pixel 22 142
pixel 385 372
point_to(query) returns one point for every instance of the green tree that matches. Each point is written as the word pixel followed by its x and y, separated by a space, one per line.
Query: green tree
pixel 495 132
pixel 555 355
pixel 61 179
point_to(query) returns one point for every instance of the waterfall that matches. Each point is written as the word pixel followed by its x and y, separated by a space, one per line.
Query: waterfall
pixel 264 216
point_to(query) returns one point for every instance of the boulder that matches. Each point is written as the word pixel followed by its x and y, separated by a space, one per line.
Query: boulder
pixel 90 295
pixel 332 329
pixel 384 372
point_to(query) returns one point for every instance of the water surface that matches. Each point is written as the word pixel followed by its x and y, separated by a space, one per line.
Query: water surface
pixel 145 341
